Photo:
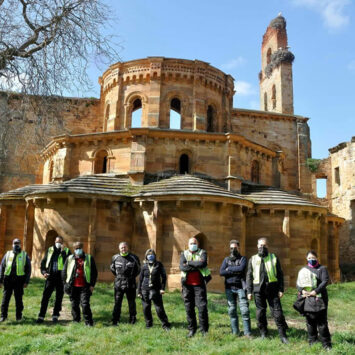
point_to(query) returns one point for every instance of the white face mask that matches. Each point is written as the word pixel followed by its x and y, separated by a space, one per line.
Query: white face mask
pixel 58 245
pixel 193 247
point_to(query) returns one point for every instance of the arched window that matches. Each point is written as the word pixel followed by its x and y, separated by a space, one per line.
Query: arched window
pixel 107 112
pixel 175 114
pixel 265 101
pixel 101 165
pixel 268 56
pixel 136 113
pixel 50 238
pixel 273 96
pixel 184 164
pixel 210 118
pixel 255 172
pixel 51 168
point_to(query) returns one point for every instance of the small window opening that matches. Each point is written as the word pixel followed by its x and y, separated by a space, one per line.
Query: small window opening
pixel 101 162
pixel 337 175
pixel 268 56
pixel 137 113
pixel 184 164
pixel 175 114
pixel 273 97
pixel 255 172
pixel 210 118
pixel 51 168
pixel 322 188
pixel 265 101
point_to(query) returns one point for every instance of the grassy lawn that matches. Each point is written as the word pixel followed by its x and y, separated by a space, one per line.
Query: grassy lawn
pixel 27 337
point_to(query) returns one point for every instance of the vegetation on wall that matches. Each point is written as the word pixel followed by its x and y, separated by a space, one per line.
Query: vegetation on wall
pixel 313 164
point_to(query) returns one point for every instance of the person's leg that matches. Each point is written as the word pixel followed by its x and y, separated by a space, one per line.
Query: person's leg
pixel 85 305
pixel 59 293
pixel 260 303
pixel 75 303
pixel 311 322
pixel 244 311
pixel 131 299
pixel 189 302
pixel 276 311
pixel 201 304
pixel 159 307
pixel 232 310
pixel 147 308
pixel 324 334
pixel 116 314
pixel 8 289
pixel 18 292
pixel 47 293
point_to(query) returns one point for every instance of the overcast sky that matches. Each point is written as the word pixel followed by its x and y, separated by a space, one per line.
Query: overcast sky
pixel 228 34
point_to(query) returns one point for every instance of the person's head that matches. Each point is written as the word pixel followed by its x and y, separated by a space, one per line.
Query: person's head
pixel 262 246
pixel 193 244
pixel 78 248
pixel 58 242
pixel 312 258
pixel 150 256
pixel 16 245
pixel 123 248
pixel 234 247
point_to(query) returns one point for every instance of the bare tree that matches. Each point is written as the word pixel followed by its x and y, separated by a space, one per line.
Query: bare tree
pixel 46 47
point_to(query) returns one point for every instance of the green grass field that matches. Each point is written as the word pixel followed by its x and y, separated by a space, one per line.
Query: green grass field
pixel 26 337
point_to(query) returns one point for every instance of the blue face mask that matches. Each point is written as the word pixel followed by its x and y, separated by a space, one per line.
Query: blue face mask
pixel 78 252
pixel 312 262
pixel 151 258
pixel 193 247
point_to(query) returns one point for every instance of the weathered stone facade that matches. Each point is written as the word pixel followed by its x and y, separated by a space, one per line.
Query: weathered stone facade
pixel 225 174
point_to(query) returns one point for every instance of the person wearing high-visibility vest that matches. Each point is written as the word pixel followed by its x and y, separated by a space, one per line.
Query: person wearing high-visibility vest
pixel 79 275
pixel 194 277
pixel 265 280
pixel 311 283
pixel 15 273
pixel 51 267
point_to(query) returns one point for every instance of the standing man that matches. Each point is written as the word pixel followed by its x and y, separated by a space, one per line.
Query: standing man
pixel 79 275
pixel 126 267
pixel 234 269
pixel 51 268
pixel 265 280
pixel 194 277
pixel 14 275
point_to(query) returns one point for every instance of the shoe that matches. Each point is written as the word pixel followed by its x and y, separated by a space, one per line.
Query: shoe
pixel 19 319
pixel 149 326
pixel 284 340
pixel 327 347
pixel 132 320
pixel 248 336
pixel 89 324
pixel 191 333
pixel 55 319
pixel 2 319
pixel 115 323
pixel 40 320
pixel 263 335
pixel 167 327
pixel 204 333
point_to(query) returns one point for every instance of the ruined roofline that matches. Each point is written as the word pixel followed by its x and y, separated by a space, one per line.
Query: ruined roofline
pixel 269 114
pixel 341 146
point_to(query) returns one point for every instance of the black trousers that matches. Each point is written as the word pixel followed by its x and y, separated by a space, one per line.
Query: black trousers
pixel 131 299
pixel 272 298
pixel 52 284
pixel 80 296
pixel 147 297
pixel 196 296
pixel 14 285
pixel 318 322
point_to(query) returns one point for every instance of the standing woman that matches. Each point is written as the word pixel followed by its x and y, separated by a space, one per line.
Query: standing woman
pixel 151 287
pixel 311 283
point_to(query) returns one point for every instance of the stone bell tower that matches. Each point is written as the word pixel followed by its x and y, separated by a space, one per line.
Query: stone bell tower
pixel 276 84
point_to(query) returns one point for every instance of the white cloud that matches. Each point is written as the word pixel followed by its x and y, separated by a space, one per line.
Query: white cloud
pixel 244 88
pixel 351 66
pixel 333 12
pixel 234 63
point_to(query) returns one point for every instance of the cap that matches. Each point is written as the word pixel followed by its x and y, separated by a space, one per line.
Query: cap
pixel 16 241
pixel 234 241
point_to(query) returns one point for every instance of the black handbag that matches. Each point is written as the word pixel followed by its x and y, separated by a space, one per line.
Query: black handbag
pixel 314 304
pixel 299 305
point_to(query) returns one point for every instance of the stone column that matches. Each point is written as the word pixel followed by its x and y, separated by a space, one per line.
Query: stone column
pixel 92 227
pixel 3 220
pixel 28 227
pixel 158 237
pixel 286 262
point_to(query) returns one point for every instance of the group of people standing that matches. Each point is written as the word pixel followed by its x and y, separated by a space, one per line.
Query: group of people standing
pixel 261 278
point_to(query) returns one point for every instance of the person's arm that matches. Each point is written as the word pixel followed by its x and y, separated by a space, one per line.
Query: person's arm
pixel 137 266
pixel 112 267
pixel 43 263
pixel 250 277
pixel 93 272
pixel 183 264
pixel 64 271
pixel 236 269
pixel 223 270
pixel 28 270
pixel 324 278
pixel 140 280
pixel 200 264
pixel 2 269
pixel 280 275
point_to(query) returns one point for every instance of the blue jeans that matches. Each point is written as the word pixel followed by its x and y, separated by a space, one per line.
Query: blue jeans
pixel 232 295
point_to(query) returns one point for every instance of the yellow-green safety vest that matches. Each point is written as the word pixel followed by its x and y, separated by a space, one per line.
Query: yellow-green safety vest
pixel 20 262
pixel 270 265
pixel 195 257
pixel 60 258
pixel 307 280
pixel 87 267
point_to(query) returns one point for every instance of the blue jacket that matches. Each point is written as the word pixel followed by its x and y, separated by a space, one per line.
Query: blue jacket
pixel 233 269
